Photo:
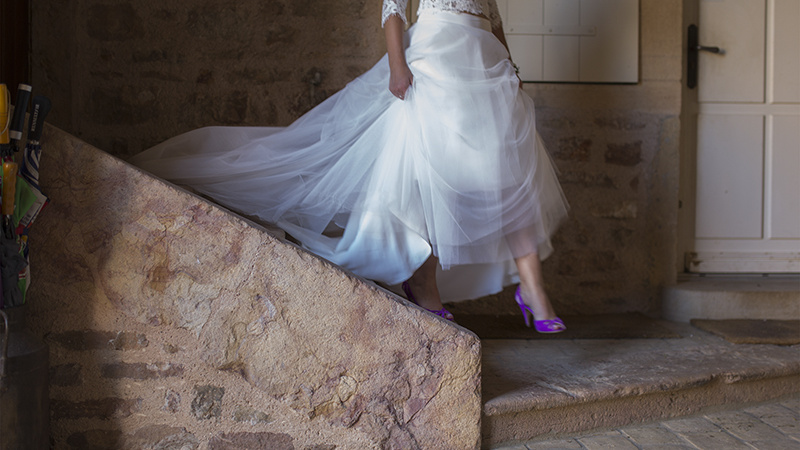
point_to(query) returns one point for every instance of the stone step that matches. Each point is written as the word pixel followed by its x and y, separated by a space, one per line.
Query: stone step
pixel 733 297
pixel 536 389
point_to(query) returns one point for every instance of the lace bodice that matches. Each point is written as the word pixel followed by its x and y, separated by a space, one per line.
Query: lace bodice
pixel 486 8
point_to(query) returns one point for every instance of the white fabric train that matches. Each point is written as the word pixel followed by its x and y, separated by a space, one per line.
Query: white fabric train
pixel 376 184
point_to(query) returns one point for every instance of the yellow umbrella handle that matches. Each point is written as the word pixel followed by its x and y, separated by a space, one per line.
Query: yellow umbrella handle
pixel 9 187
pixel 4 122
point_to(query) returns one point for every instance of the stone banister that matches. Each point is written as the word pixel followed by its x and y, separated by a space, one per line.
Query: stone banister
pixel 169 317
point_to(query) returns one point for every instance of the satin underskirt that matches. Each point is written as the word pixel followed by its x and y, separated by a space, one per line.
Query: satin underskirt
pixel 376 184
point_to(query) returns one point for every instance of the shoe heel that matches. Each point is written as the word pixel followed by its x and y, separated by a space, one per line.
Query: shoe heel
pixel 523 307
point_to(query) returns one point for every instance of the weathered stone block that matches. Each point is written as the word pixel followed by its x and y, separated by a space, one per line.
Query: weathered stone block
pixel 247 441
pixel 172 401
pixel 625 210
pixel 250 416
pixel 586 179
pixel 162 437
pixel 88 340
pixel 127 105
pixel 625 123
pixel 95 439
pixel 628 154
pixel 573 149
pixel 207 402
pixel 114 22
pixel 142 371
pixel 104 408
pixel 585 262
pixel 65 375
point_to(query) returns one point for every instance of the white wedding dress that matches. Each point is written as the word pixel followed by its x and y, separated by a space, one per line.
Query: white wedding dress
pixel 376 184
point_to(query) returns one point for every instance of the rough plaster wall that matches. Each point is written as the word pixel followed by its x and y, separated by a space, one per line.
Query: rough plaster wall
pixel 127 74
pixel 175 324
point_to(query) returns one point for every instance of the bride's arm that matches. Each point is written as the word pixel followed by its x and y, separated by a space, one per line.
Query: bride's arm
pixel 401 77
pixel 499 33
pixel 501 36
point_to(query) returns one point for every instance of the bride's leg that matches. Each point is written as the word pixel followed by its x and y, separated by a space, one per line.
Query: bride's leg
pixel 532 287
pixel 423 285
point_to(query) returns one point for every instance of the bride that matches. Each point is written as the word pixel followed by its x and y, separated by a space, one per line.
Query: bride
pixel 439 183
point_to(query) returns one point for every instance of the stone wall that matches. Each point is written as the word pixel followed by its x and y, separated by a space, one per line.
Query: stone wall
pixel 127 74
pixel 175 324
pixel 617 147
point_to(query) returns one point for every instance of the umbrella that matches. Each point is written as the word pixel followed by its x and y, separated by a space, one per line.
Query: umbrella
pixel 18 120
pixel 11 262
pixel 30 199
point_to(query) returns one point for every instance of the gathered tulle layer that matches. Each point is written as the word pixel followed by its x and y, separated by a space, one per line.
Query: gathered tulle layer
pixel 377 185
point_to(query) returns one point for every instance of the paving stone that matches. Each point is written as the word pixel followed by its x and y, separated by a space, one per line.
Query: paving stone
pixel 779 417
pixel 768 426
pixel 715 440
pixel 555 444
pixel 793 404
pixel 782 443
pixel 652 435
pixel 686 446
pixel 691 425
pixel 607 441
pixel 511 447
pixel 668 447
pixel 745 426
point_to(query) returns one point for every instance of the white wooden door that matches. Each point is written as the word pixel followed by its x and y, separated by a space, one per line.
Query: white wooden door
pixel 748 138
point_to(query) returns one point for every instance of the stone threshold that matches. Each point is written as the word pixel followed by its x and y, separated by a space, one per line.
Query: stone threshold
pixel 543 389
pixel 733 297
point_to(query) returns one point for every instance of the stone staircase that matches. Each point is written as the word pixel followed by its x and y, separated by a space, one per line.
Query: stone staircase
pixel 174 323
pixel 119 253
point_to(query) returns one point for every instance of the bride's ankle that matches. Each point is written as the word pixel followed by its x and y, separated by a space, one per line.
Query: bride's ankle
pixel 536 299
pixel 424 294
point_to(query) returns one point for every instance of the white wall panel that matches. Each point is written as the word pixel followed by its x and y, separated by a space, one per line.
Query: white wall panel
pixel 583 40
pixel 529 61
pixel 561 58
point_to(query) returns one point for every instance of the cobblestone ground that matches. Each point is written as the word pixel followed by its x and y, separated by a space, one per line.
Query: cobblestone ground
pixel 767 426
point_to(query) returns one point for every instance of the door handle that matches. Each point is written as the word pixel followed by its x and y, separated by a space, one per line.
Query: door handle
pixel 694 49
pixel 702 48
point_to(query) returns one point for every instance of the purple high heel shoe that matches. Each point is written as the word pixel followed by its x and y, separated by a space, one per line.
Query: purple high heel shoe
pixel 443 313
pixel 542 326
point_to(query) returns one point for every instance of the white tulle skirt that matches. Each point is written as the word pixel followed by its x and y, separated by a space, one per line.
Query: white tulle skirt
pixel 376 184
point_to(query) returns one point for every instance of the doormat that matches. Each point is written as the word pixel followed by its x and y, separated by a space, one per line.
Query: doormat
pixel 606 326
pixel 753 331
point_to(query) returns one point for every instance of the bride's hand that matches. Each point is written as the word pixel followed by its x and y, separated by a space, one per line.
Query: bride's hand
pixel 400 80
